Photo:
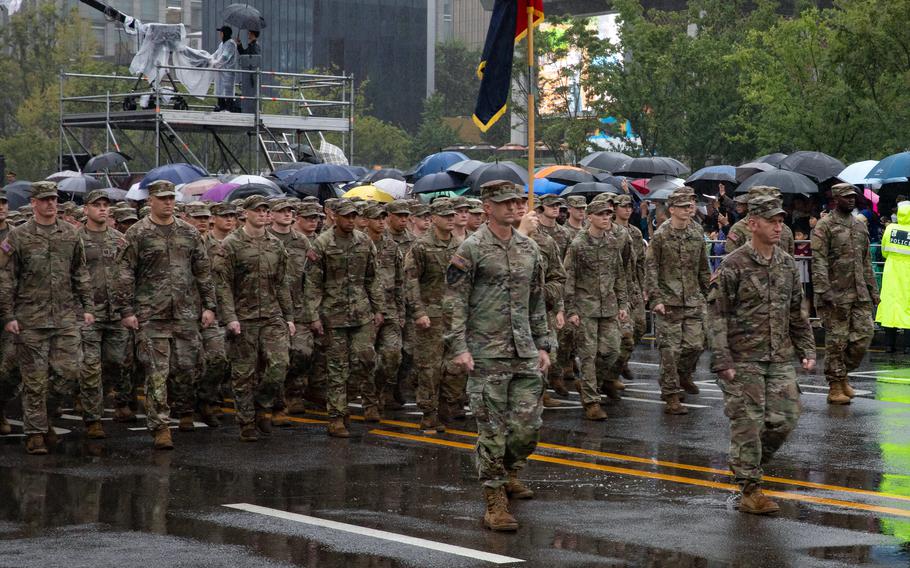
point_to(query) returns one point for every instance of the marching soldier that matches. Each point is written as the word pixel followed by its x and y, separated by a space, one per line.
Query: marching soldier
pixel 635 326
pixel 9 368
pixel 740 233
pixel 420 220
pixel 575 222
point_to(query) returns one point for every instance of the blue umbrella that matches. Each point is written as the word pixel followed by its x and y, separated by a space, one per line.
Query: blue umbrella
pixel 174 173
pixel 321 173
pixel 543 186
pixel 442 181
pixel 894 166
pixel 434 163
pixel 705 180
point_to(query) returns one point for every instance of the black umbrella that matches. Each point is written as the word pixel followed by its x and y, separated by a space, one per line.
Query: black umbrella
pixel 608 161
pixel 653 166
pixel 773 159
pixel 384 173
pixel 590 188
pixel 568 176
pixel 816 165
pixel 784 180
pixel 106 161
pixel 244 16
pixel 464 168
pixel 607 177
pixel 442 181
pixel 18 194
pixel 322 191
pixel 252 189
pixel 508 171
pixel 749 169
pixel 706 180
pixel 79 184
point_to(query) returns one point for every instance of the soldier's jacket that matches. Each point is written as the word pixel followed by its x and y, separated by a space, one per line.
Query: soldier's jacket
pixel 164 273
pixel 636 274
pixel 405 240
pixel 298 248
pixel 44 282
pixel 102 249
pixel 561 235
pixel 252 278
pixel 740 234
pixel 841 261
pixel 756 310
pixel 596 283
pixel 554 275
pixel 342 285
pixel 425 275
pixel 676 271
pixel 390 269
pixel 496 291
pixel 572 231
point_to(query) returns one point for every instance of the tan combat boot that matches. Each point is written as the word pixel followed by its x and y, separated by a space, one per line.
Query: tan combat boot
pixel 34 445
pixel 94 431
pixel 248 433
pixel 186 423
pixel 688 386
pixel 497 516
pixel 848 390
pixel 619 385
pixel 163 439
pixel 124 414
pixel 78 409
pixel 757 503
pixel 674 406
pixel 515 489
pixel 559 385
pixel 280 419
pixel 371 414
pixel 296 405
pixel 263 422
pixel 610 390
pixel 51 438
pixel 5 428
pixel 549 401
pixel 836 393
pixel 593 411
pixel 428 422
pixel 207 414
pixel 336 428
pixel 626 373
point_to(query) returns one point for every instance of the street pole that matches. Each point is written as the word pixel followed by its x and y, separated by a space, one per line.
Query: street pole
pixel 532 87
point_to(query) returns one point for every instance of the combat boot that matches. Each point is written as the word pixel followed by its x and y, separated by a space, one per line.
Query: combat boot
pixel 593 411
pixel 34 445
pixel 296 405
pixel 619 385
pixel 78 409
pixel 444 413
pixel 674 406
pixel 515 489
pixel 848 390
pixel 94 431
pixel 428 422
pixel 5 428
pixel 280 419
pixel 124 414
pixel 549 401
pixel 559 385
pixel 497 516
pixel 836 393
pixel 626 373
pixel 248 432
pixel 387 399
pixel 371 414
pixel 207 414
pixel 186 423
pixel 337 429
pixel 688 386
pixel 51 438
pixel 757 503
pixel 457 410
pixel 608 389
pixel 163 439
pixel 263 423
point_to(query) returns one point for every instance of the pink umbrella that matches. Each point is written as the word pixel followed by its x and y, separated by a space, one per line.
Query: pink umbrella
pixel 873 197
pixel 219 192
pixel 198 187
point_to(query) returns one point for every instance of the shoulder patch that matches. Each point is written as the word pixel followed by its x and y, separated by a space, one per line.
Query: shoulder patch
pixel 312 255
pixel 460 263
pixel 732 237
pixel 5 246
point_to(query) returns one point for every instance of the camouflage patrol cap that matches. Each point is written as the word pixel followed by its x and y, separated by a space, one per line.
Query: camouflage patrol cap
pixel 374 211
pixel 144 212
pixel 361 205
pixel 610 197
pixel 67 207
pixel 742 199
pixel 399 207
pixel 843 190
pixel 346 207
pixel 765 206
pixel 442 207
pixel 3 196
pixel 331 203
pixel 420 210
pixel 459 202
pixel 198 209
pixel 79 214
pixel 681 197
pixel 764 190
pixel 577 201
pixel 600 206
pixel 14 216
pixel 238 203
pixel 309 210
pixel 293 200
pixel 223 209
pixel 255 201
pixel 622 200
pixel 500 190
pixel 162 188
pixel 551 200
pixel 281 204
pixel 42 189
pixel 96 195
pixel 476 205
pixel 122 214
pixel 310 199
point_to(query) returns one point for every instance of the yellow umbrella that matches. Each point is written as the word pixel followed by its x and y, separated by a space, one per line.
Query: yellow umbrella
pixel 369 193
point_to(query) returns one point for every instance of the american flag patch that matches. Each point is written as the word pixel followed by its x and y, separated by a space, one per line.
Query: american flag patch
pixel 5 246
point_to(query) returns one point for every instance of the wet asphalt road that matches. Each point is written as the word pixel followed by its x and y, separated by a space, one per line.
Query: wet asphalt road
pixel 641 489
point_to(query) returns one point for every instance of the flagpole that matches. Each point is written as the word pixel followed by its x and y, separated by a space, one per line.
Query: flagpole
pixel 531 88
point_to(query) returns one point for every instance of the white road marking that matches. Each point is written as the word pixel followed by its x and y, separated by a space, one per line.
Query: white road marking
pixel 712 397
pixel 662 402
pixel 374 533
pixel 859 392
pixel 79 418
pixel 644 364
pixel 172 426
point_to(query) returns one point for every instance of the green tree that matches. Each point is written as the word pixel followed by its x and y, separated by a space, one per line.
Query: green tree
pixel 434 134
pixel 380 143
pixel 456 67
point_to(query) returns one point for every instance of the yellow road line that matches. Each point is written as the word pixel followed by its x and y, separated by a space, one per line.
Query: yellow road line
pixel 660 476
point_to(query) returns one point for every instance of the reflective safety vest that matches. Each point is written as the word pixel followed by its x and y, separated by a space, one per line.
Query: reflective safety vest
pixel 894 310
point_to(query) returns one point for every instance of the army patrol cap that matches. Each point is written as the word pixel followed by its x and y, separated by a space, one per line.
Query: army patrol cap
pixel 622 200
pixel 551 200
pixel 476 205
pixel 255 201
pixel 310 199
pixel 577 202
pixel 399 207
pixel 345 207
pixel 374 211
pixel 144 212
pixel 125 214
pixel 442 207
pixel 460 202
pixel 3 196
pixel 331 203
pixel 742 199
pixel 309 210
pixel 765 206
pixel 67 207
pixel 197 209
pixel 764 190
pixel 500 190
pixel 162 188
pixel 281 204
pixel 79 214
pixel 600 206
pixel 420 210
pixel 42 189
pixel 843 190
pixel 682 197
pixel 223 209
pixel 95 195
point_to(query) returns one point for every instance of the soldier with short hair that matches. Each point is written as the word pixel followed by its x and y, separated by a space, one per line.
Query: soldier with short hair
pixel 9 368
pixel 575 222
pixel 740 233
pixel 633 329
pixel 757 327
pixel 476 217
pixel 420 220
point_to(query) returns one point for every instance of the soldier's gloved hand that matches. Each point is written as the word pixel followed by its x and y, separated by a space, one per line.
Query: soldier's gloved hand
pixel 208 318
pixel 130 322
pixel 560 320
pixel 809 365
pixel 465 361
pixel 423 322
pixel 316 327
pixel 727 374
pixel 88 318
pixel 234 327
pixel 12 327
pixel 543 361
pixel 575 320
pixel 292 329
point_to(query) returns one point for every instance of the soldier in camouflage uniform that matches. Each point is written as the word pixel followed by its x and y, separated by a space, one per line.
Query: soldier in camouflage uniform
pixel 499 335
pixel 596 301
pixel 845 290
pixel 309 216
pixel 298 247
pixel 399 222
pixel 475 215
pixel 107 346
pixel 575 222
pixel 635 326
pixel 390 266
pixel 254 300
pixel 677 277
pixel 739 234
pixel 9 368
pixel 125 218
pixel 757 327
pixel 45 294
pixel 345 302
pixel 165 289
pixel 419 223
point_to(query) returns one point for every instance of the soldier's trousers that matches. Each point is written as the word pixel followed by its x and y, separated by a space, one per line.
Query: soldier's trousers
pixel 565 353
pixel 9 369
pixel 170 352
pixel 259 365
pixel 350 363
pixel 40 352
pixel 454 381
pixel 214 356
pixel 301 358
pixel 388 358
pixel 598 349
pixel 107 348
pixel 506 400
pixel 762 403
pixel 681 340
pixel 429 362
pixel 633 329
pixel 407 370
pixel 848 334
pixel 316 371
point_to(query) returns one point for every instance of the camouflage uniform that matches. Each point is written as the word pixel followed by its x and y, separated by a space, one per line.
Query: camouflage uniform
pixel 499 316
pixel 405 239
pixel 9 367
pixel 634 328
pixel 252 287
pixel 845 289
pixel 568 336
pixel 595 292
pixel 45 287
pixel 344 292
pixel 677 276
pixel 214 350
pixel 165 281
pixel 740 234
pixel 757 327
pixel 554 279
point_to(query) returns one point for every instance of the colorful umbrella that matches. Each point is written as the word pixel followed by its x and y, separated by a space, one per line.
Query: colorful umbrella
pixel 370 193
pixel 219 192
